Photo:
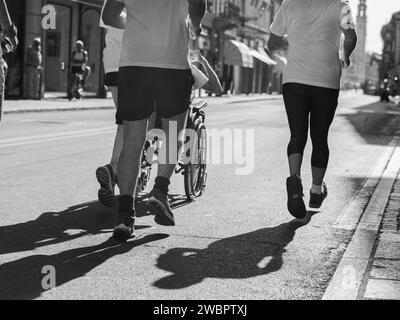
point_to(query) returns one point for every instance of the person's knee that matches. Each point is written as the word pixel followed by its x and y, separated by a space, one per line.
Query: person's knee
pixel 297 144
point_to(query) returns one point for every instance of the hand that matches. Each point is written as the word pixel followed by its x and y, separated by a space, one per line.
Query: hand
pixel 11 34
pixel 14 43
pixel 194 31
pixel 195 56
pixel 345 61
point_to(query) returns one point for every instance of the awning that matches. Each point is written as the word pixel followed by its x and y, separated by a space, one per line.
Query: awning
pixel 238 54
pixel 95 3
pixel 281 58
pixel 262 56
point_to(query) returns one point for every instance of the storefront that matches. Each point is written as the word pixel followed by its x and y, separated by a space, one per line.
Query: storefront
pixel 238 55
pixel 75 20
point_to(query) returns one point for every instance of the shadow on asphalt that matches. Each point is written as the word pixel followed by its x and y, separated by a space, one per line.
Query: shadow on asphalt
pixel 244 256
pixel 52 227
pixel 22 279
pixel 376 123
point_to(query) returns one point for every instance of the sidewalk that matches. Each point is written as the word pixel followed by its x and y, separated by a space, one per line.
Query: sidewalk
pixel 60 104
pixel 382 279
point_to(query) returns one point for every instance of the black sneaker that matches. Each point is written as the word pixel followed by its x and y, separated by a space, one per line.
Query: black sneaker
pixel 163 213
pixel 107 179
pixel 295 201
pixel 124 225
pixel 316 199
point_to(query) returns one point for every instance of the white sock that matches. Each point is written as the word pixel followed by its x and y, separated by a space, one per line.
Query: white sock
pixel 316 189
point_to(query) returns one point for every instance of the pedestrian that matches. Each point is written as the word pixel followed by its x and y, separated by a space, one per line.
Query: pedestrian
pixel 33 69
pixel 311 83
pixel 79 65
pixel 8 35
pixel 107 175
pixel 153 72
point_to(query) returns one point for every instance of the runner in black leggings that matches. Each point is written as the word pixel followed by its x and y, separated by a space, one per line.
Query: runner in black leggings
pixel 310 106
pixel 311 84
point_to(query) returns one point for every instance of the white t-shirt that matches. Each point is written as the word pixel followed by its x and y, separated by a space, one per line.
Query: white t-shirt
pixel 314 29
pixel 112 50
pixel 156 34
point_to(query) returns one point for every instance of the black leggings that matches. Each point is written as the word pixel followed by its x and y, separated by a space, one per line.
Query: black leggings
pixel 316 105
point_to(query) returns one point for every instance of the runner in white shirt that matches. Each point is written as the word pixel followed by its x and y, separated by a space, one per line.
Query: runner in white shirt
pixel 154 72
pixel 107 175
pixel 311 82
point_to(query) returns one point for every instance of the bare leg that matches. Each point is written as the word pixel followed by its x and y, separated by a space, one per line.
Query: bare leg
pixel 318 175
pixel 119 137
pixel 129 161
pixel 295 161
pixel 166 170
pixel 158 196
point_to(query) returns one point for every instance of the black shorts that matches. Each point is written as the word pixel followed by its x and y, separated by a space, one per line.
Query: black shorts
pixel 141 90
pixel 111 79
pixel 76 70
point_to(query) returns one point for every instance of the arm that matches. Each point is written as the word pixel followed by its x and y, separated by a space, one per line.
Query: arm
pixel 112 14
pixel 86 58
pixel 276 42
pixel 348 27
pixel 213 84
pixel 9 30
pixel 350 42
pixel 197 10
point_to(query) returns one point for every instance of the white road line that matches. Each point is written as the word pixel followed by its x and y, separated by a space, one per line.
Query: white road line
pixel 14 142
pixel 348 277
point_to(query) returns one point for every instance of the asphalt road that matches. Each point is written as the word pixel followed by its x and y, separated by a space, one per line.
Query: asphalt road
pixel 235 242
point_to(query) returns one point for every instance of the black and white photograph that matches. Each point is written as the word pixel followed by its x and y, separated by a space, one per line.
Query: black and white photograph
pixel 200 158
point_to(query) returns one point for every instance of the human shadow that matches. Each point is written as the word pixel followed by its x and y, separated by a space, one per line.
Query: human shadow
pixel 77 221
pixel 55 227
pixel 377 123
pixel 244 256
pixel 22 279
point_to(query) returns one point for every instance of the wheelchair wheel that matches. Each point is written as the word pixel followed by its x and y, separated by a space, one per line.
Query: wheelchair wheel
pixel 195 172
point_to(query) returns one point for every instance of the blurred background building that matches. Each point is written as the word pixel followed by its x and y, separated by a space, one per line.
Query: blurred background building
pixel 391 53
pixel 75 20
pixel 354 76
pixel 234 41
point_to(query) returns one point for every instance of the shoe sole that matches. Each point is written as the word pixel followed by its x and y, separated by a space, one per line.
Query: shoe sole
pixel 162 217
pixel 105 194
pixel 317 206
pixel 123 232
pixel 296 207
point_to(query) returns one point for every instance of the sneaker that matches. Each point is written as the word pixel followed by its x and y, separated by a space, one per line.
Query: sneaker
pixel 107 179
pixel 163 213
pixel 295 201
pixel 124 225
pixel 316 199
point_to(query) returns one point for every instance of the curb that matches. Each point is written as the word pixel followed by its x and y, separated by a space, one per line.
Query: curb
pixel 348 277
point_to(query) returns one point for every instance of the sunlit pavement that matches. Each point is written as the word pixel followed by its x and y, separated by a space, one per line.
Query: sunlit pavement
pixel 235 242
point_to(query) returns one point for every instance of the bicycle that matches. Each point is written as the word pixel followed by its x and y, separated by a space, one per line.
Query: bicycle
pixel 194 171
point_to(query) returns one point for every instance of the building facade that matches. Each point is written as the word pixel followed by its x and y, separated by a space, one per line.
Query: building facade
pixel 234 37
pixel 75 20
pixel 240 30
pixel 391 48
